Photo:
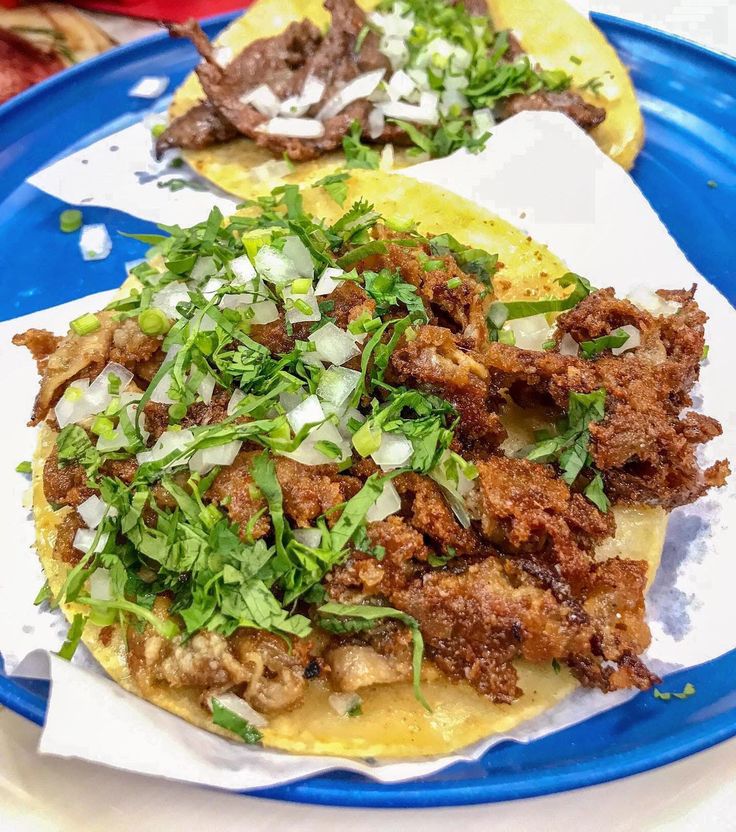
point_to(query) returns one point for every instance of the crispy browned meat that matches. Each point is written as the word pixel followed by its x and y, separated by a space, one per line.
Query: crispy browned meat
pixel 312 490
pixel 63 548
pixel 439 362
pixel 135 350
pixel 41 344
pixel 524 509
pixel 475 623
pixel 235 490
pixel 350 302
pixel 585 115
pixel 645 448
pixel 427 511
pixel 199 127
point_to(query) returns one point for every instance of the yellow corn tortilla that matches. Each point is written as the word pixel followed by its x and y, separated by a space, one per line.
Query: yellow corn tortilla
pixel 550 32
pixel 393 724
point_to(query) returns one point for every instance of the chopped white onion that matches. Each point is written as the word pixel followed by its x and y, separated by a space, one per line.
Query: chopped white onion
pixel 419 77
pixel 169 296
pixel 299 255
pixel 275 266
pixel 99 584
pixel 272 169
pixel 327 284
pixel 204 266
pixel 343 703
pixel 168 442
pixel 263 99
pixel 296 128
pixel 530 333
pixel 297 105
pixel 149 86
pixel 395 49
pixel 337 384
pixel 84 538
pixel 455 82
pixel 93 509
pixel 387 157
pixel 360 87
pixel 243 269
pixel 568 345
pixel 426 112
pixel 206 388
pixel 400 85
pixel 392 23
pixel 264 312
pixel 295 315
pixel 483 122
pixel 309 537
pixel 651 302
pixel 239 706
pixel 92 398
pixel 205 459
pixel 94 242
pixel 308 454
pixel 308 412
pixel 334 344
pixel 631 343
pixel 72 406
pixel 376 122
pixel 160 393
pixel 395 449
pixel 387 503
pixel 289 400
pixel 237 397
pixel 455 487
pixel 450 99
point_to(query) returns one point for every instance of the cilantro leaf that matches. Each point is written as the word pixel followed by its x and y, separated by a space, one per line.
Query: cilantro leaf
pixel 589 349
pixel 357 154
pixel 665 696
pixel 335 185
pixel 501 311
pixel 73 637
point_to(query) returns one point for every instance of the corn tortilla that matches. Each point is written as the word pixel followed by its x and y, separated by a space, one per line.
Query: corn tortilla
pixel 393 724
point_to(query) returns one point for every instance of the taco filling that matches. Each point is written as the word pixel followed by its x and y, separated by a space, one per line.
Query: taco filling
pixel 419 73
pixel 289 456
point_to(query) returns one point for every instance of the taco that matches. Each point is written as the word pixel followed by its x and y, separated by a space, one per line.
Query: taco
pixel 378 484
pixel 292 91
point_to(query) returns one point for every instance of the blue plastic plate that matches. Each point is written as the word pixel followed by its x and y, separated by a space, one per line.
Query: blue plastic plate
pixel 688 172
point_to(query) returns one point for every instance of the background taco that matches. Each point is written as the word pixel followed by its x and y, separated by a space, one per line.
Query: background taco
pixel 274 100
pixel 393 722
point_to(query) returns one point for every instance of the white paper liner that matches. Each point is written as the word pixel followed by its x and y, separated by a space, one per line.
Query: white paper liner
pixel 539 172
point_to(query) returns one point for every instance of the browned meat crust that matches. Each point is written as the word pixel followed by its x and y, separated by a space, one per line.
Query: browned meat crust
pixel 524 509
pixel 585 115
pixel 439 362
pixel 644 446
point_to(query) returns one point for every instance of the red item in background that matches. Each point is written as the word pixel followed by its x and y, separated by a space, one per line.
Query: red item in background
pixel 23 64
pixel 168 10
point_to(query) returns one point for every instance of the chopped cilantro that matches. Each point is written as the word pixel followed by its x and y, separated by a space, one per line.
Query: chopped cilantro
pixel 73 637
pixel 616 339
pixel 685 693
pixel 235 723
pixel 335 185
pixel 357 154
pixel 24 467
pixel 178 184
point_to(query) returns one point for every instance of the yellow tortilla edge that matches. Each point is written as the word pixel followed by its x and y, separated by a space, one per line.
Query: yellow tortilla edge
pixel 550 32
pixel 393 724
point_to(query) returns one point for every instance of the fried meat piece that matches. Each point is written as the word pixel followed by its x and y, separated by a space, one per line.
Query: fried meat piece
pixel 476 623
pixel 438 362
pixel 645 448
pixel 524 509
pixel 198 128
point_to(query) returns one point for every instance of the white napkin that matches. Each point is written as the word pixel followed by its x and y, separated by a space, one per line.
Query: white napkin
pixel 541 173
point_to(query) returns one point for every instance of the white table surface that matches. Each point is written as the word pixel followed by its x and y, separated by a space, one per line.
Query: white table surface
pixel 46 794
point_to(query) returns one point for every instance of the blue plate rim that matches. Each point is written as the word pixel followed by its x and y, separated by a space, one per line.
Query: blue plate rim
pixel 413 793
